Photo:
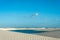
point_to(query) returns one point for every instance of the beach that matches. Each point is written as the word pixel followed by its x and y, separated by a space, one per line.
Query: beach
pixel 8 35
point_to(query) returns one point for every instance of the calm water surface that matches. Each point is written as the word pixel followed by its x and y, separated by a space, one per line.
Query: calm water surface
pixel 28 31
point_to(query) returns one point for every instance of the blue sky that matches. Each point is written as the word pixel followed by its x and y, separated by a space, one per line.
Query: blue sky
pixel 17 13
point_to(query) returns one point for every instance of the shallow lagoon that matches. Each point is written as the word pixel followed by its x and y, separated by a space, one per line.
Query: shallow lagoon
pixel 28 31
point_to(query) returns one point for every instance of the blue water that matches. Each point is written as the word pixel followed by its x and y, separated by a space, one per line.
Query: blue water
pixel 28 31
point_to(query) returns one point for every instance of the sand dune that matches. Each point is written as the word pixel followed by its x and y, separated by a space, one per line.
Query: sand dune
pixel 7 35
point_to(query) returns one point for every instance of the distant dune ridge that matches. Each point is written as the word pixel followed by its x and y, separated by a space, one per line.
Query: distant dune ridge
pixel 8 35
pixel 44 29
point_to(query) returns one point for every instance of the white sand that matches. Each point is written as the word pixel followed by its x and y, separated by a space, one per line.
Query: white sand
pixel 54 34
pixel 7 35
